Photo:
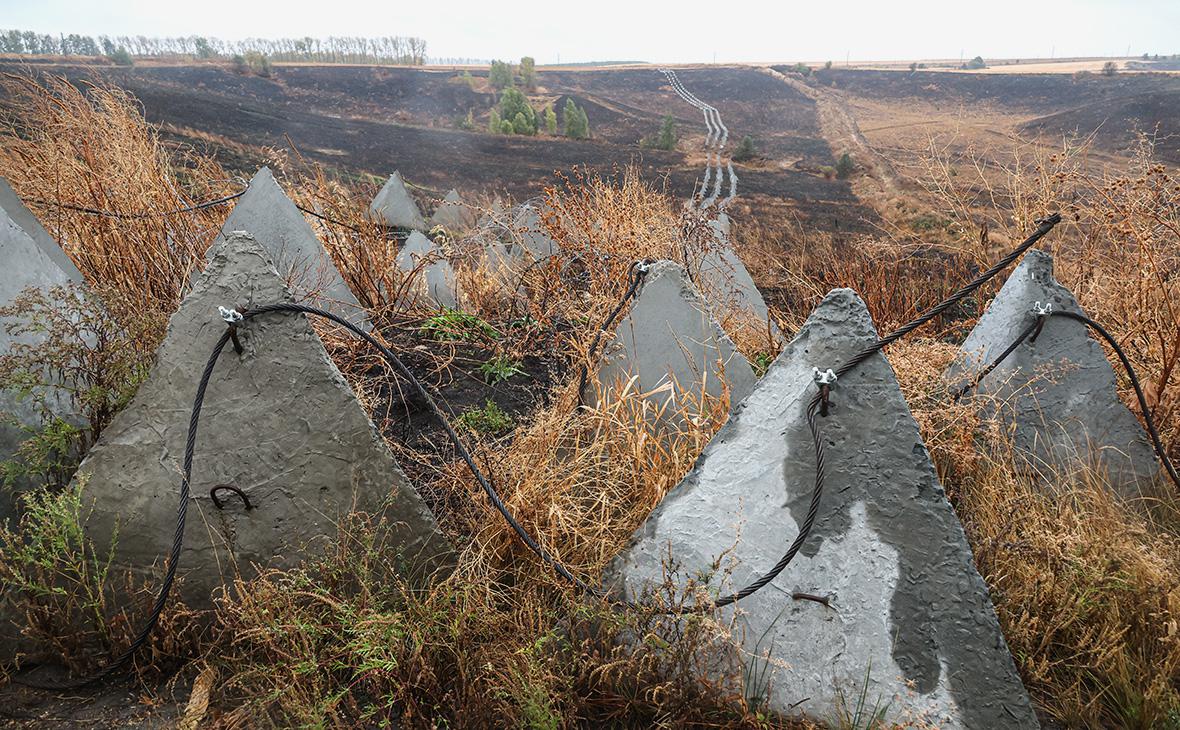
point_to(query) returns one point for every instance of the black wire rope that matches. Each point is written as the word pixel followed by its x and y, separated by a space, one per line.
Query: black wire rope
pixel 136 216
pixel 635 273
pixel 1148 419
pixel 805 529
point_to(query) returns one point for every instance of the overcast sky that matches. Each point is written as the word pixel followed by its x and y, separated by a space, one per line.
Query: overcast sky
pixel 687 32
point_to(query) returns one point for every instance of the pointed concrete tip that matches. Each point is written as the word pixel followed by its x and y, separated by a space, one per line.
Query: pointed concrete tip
pixel 24 218
pixel 1056 397
pixel 302 481
pixel 886 545
pixel 395 206
pixel 669 335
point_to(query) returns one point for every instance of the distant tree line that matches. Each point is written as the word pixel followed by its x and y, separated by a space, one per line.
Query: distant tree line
pixel 400 50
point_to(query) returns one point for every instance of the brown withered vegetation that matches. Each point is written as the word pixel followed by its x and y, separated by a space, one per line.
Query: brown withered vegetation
pixel 1087 588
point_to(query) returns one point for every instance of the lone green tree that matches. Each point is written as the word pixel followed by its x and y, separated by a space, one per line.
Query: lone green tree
pixel 550 120
pixel 528 73
pixel 844 166
pixel 745 150
pixel 514 107
pixel 667 137
pixel 494 121
pixel 577 125
pixel 500 75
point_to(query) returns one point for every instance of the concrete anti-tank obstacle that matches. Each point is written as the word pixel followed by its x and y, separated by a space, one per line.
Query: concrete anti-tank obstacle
pixel 279 423
pixel 266 213
pixel 1057 395
pixel 905 603
pixel 723 276
pixel 452 214
pixel 395 207
pixel 11 204
pixel 26 265
pixel 437 276
pixel 668 338
pixel 529 234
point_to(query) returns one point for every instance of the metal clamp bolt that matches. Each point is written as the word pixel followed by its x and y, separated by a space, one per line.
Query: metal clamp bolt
pixel 232 319
pixel 825 379
pixel 1042 313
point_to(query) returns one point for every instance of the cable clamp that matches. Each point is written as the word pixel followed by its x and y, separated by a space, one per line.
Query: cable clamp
pixel 232 319
pixel 1042 313
pixel 825 379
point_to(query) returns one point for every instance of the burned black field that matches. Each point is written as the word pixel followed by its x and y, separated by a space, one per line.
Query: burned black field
pixel 359 121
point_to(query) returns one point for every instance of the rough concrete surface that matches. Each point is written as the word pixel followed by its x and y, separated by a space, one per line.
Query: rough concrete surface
pixel 11 204
pixel 529 234
pixel 26 264
pixel 279 422
pixel 1056 396
pixel 395 207
pixel 668 338
pixel 452 214
pixel 267 214
pixel 907 605
pixel 436 277
pixel 724 278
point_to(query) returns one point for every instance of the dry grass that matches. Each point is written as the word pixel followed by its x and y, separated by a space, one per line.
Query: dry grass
pixel 1086 588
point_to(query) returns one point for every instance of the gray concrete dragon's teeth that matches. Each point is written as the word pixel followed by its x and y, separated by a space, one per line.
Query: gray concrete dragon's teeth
pixel 907 607
pixel 436 277
pixel 279 422
pixel 724 279
pixel 528 232
pixel 452 214
pixel 1057 395
pixel 395 207
pixel 266 213
pixel 670 343
pixel 27 265
pixel 11 204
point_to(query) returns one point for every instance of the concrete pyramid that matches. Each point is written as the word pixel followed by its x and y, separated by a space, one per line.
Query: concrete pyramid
pixel 279 423
pixel 668 337
pixel 26 265
pixel 529 233
pixel 1057 395
pixel 436 277
pixel 267 214
pixel 11 204
pixel 394 206
pixel 724 278
pixel 452 214
pixel 906 603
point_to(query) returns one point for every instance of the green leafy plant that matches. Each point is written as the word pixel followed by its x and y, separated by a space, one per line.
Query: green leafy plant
pixel 487 421
pixel 77 358
pixel 452 325
pixel 499 369
pixel 53 576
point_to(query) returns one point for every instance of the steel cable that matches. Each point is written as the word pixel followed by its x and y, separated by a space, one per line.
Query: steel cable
pixel 136 216
pixel 490 491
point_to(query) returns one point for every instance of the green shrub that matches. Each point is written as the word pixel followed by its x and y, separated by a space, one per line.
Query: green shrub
pixel 453 325
pixel 745 150
pixel 74 351
pixel 845 166
pixel 54 578
pixel 491 420
pixel 500 368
